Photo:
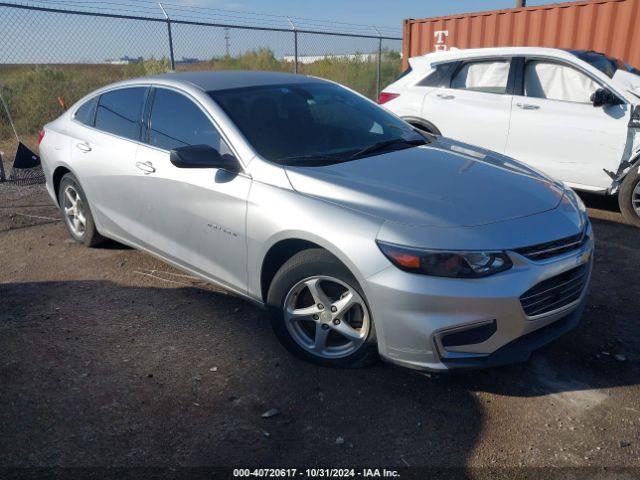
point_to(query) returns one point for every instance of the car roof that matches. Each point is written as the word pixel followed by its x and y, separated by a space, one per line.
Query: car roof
pixel 493 51
pixel 224 80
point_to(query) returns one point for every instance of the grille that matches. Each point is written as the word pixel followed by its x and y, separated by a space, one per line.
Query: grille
pixel 555 292
pixel 551 249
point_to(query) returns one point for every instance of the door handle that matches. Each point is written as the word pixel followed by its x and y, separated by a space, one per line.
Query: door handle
pixel 527 106
pixel 445 96
pixel 146 167
pixel 84 147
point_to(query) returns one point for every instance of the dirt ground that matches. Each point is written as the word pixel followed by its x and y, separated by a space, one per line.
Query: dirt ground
pixel 108 357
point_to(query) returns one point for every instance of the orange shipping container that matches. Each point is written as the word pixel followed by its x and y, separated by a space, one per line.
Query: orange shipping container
pixel 602 25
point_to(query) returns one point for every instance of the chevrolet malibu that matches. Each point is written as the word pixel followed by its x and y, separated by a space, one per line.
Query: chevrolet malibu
pixel 360 235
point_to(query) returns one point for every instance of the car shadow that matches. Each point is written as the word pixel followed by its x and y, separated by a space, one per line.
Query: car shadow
pixel 96 373
pixel 600 202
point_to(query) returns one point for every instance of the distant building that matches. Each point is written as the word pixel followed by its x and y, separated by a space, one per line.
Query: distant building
pixel 186 60
pixel 305 59
pixel 123 60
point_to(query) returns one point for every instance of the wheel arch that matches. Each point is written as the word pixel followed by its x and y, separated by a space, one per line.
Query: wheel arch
pixel 284 248
pixel 58 173
pixel 277 255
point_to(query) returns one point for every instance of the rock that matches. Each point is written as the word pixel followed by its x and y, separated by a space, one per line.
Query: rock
pixel 271 413
pixel 624 444
pixel 266 434
pixel 620 357
pixel 213 369
pixel 339 441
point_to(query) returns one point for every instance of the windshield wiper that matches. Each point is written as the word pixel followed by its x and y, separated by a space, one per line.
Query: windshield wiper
pixel 384 144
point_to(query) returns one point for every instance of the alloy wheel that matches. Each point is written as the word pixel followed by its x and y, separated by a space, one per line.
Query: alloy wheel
pixel 74 211
pixel 635 199
pixel 326 317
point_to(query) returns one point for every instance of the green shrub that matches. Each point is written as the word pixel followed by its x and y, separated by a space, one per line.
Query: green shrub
pixel 32 92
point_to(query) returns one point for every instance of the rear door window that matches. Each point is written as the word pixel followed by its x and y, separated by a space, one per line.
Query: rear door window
pixel 120 112
pixel 483 76
pixel 176 121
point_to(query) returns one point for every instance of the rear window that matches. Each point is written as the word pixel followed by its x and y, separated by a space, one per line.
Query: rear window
pixel 120 112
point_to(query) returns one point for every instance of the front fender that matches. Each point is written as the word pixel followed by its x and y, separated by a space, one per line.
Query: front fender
pixel 276 214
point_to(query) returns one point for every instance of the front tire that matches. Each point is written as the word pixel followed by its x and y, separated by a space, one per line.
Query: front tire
pixel 319 312
pixel 629 197
pixel 76 213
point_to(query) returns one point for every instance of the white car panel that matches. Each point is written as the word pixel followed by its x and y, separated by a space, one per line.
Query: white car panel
pixel 570 141
pixel 473 117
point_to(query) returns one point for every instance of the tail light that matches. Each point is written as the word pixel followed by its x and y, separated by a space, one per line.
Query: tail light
pixel 385 97
pixel 40 136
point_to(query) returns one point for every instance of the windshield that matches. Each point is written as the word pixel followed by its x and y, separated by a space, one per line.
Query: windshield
pixel 607 65
pixel 313 123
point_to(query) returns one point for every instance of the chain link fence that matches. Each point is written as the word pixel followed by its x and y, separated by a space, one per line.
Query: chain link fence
pixel 50 57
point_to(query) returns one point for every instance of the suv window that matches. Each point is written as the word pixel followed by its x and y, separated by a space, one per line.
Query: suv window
pixel 86 113
pixel 120 112
pixel 440 77
pixel 177 122
pixel 555 81
pixel 483 76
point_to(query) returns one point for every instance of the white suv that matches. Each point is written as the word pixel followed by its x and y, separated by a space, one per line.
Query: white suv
pixel 571 114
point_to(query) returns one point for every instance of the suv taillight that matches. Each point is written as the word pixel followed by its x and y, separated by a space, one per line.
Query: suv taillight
pixel 385 97
pixel 40 136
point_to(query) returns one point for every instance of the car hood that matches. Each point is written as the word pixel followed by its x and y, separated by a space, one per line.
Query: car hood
pixel 444 184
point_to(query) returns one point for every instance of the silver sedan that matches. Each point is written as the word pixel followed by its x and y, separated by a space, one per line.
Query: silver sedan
pixel 361 236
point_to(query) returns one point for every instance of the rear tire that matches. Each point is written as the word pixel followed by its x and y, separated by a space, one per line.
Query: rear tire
pixel 629 197
pixel 76 212
pixel 319 312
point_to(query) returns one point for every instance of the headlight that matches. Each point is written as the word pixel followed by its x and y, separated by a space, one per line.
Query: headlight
pixel 441 263
pixel 578 201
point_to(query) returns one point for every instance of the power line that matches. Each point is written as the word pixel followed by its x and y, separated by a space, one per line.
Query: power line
pixel 195 13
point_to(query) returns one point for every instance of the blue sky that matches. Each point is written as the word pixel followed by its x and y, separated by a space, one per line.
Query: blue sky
pixel 87 39
pixel 388 13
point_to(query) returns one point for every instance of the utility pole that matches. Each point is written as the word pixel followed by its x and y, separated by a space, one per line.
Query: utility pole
pixel 227 42
pixel 168 20
pixel 521 3
pixel 295 45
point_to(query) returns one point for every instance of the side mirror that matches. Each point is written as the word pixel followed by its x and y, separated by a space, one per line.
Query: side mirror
pixel 203 156
pixel 603 97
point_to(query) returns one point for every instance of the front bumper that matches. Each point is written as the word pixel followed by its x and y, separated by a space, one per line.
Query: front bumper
pixel 414 312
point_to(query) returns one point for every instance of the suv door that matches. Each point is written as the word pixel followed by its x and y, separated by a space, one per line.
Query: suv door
pixel 556 128
pixel 103 151
pixel 475 104
pixel 194 217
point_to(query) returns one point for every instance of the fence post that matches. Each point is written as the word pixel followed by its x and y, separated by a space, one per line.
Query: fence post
pixel 171 57
pixel 295 45
pixel 379 72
